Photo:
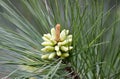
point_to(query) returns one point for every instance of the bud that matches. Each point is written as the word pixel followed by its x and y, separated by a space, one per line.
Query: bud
pixel 51 56
pixel 45 56
pixel 65 42
pixel 65 55
pixel 70 48
pixel 57 30
pixel 49 39
pixel 63 35
pixel 53 41
pixel 47 44
pixel 48 49
pixel 48 36
pixel 69 37
pixel 57 48
pixel 65 49
pixel 53 33
pixel 45 39
pixel 59 53
pixel 67 32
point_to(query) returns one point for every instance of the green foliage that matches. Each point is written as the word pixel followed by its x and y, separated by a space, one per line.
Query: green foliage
pixel 96 49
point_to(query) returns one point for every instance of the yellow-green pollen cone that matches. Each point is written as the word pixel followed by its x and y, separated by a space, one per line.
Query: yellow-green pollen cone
pixel 56 43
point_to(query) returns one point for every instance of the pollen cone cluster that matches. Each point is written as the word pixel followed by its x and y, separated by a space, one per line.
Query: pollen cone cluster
pixel 56 43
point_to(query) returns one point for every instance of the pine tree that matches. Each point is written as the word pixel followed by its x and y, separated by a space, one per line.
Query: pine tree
pixel 59 39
